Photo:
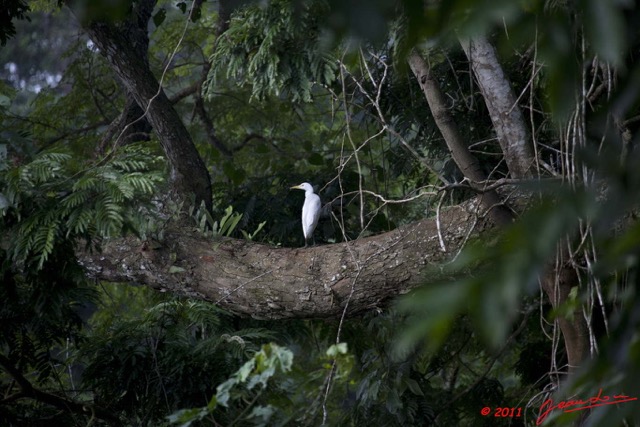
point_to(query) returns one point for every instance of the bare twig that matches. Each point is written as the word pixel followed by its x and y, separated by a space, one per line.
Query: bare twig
pixel 439 227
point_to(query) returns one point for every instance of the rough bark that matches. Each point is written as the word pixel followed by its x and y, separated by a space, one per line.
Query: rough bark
pixel 516 146
pixel 502 104
pixel 225 7
pixel 124 45
pixel 512 131
pixel 130 126
pixel 557 284
pixel 271 283
pixel 467 163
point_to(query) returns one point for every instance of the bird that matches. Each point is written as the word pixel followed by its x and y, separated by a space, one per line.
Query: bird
pixel 310 211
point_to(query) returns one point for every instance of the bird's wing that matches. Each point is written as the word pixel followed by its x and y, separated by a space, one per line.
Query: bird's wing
pixel 310 214
pixel 316 207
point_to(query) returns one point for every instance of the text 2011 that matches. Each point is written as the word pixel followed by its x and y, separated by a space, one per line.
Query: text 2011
pixel 508 412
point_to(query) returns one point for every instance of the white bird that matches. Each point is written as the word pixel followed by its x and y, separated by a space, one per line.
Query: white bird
pixel 310 211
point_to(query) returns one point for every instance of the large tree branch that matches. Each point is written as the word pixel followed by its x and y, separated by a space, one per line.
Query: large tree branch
pixel 557 283
pixel 266 282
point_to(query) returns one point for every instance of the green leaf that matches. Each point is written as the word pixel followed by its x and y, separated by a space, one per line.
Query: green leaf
pixel 229 222
pixel 223 391
pixel 5 101
pixel 261 148
pixel 263 413
pixel 605 29
pixel 436 307
pixel 393 401
pixel 414 387
pixel 236 175
pixel 246 370
pixel 159 17
pixel 186 417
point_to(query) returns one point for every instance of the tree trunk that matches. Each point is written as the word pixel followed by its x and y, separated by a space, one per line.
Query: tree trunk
pixel 126 128
pixel 557 284
pixel 466 161
pixel 271 283
pixel 502 104
pixel 125 46
pixel 514 140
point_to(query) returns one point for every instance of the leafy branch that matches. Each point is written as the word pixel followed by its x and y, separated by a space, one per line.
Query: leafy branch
pixel 49 200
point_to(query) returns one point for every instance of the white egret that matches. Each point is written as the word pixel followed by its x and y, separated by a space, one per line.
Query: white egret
pixel 310 211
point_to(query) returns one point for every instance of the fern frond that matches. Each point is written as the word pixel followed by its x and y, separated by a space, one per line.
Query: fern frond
pixel 45 247
pixel 86 182
pixel 51 200
pixel 75 198
pixel 78 221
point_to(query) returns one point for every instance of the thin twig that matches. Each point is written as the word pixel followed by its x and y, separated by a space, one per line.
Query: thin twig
pixel 442 245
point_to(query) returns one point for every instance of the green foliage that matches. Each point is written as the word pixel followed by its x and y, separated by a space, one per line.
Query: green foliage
pixel 49 204
pixel 16 9
pixel 212 228
pixel 370 382
pixel 87 76
pixel 265 364
pixel 275 50
pixel 555 29
pixel 503 272
pixel 226 226
pixel 147 354
pixel 41 317
pixel 52 200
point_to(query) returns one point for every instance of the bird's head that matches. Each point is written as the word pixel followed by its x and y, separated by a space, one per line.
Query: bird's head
pixel 304 186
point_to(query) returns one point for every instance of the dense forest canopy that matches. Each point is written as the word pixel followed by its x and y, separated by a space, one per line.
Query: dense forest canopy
pixel 477 250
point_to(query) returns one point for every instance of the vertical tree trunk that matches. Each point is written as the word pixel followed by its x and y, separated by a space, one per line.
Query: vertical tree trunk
pixel 557 285
pixel 124 44
pixel 125 129
pixel 506 116
pixel 512 132
pixel 466 161
pixel 514 140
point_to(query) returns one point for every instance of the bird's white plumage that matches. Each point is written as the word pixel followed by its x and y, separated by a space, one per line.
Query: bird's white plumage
pixel 310 210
